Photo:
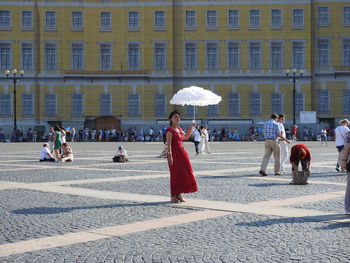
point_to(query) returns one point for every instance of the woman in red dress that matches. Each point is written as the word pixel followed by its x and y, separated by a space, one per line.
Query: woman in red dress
pixel 181 174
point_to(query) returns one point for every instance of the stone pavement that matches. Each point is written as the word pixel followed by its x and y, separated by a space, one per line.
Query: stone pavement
pixel 94 210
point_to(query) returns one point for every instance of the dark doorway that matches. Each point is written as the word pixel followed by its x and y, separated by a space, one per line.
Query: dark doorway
pixel 107 122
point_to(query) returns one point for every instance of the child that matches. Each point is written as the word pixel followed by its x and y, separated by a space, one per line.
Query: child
pixel 120 156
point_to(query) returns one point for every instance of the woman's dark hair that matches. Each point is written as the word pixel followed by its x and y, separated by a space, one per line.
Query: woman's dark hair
pixel 172 114
pixel 56 128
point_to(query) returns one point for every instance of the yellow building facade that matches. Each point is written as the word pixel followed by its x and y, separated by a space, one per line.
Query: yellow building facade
pixel 118 63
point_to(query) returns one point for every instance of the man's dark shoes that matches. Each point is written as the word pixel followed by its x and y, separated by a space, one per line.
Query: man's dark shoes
pixel 262 173
pixel 278 174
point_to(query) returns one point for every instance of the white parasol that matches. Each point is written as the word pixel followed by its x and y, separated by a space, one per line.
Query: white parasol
pixel 195 96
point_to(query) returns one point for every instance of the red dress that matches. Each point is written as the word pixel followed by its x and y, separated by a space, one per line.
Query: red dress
pixel 181 174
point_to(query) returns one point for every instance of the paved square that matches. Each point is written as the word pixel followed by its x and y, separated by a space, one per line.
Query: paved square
pixel 94 210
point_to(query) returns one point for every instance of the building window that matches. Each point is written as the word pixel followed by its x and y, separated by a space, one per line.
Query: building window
pixel 159 56
pixel 27 19
pixel 254 18
pixel 213 111
pixel 77 57
pixel 106 56
pixel 50 56
pixel 190 56
pixel 346 101
pixel 50 104
pixel 191 111
pixel 346 15
pixel 134 105
pixel 5 104
pixel 234 104
pixel 233 55
pixel 134 56
pixel 299 103
pixel 5 19
pixel 276 102
pixel 212 56
pixel 255 103
pixel 27 56
pixel 211 19
pixel 27 104
pixel 160 105
pixel 276 17
pixel 254 55
pixel 106 104
pixel 190 19
pixel 346 52
pixel 77 104
pixel 298 55
pixel 105 21
pixel 5 56
pixel 233 18
pixel 323 17
pixel 134 20
pixel 298 17
pixel 159 19
pixel 276 55
pixel 50 20
pixel 323 53
pixel 323 101
pixel 77 20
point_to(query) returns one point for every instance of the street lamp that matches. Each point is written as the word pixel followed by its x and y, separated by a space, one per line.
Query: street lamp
pixel 14 76
pixel 294 74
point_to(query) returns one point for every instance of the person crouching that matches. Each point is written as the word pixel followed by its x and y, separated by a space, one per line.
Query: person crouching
pixel 67 155
pixel 45 154
pixel 120 156
pixel 300 153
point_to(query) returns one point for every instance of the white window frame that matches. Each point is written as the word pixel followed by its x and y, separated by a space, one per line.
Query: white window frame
pixel 191 27
pixel 346 101
pixel 82 56
pixel 47 105
pixel 8 44
pixel 251 20
pixel 134 26
pixel 328 102
pixel 207 46
pixel 109 26
pixel 102 101
pixel 195 46
pixel 82 107
pixel 327 59
pixel 280 43
pixel 138 61
pixel 131 114
pixel 77 27
pixel 297 111
pixel 24 66
pixel 251 105
pixel 320 21
pixel 31 109
pixel 158 105
pixel 346 60
pixel 281 24
pixel 164 45
pixel 346 16
pixel 102 65
pixel 236 44
pixel 250 55
pixel 303 57
pixel 213 111
pixel 297 26
pixel 230 99
pixel 54 26
pixel 228 19
pixel 274 99
pixel 9 26
pixel 162 26
pixel 25 26
pixel 8 106
pixel 55 54
pixel 214 18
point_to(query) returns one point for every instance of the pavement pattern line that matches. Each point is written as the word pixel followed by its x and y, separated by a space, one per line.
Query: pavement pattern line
pixel 193 203
pixel 105 232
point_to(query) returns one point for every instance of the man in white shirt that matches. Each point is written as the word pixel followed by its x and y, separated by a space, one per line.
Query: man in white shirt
pixel 45 154
pixel 282 141
pixel 196 139
pixel 340 135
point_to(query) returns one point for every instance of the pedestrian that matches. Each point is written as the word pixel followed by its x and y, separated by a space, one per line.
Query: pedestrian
pixel 121 156
pixel 283 142
pixel 271 134
pixel 67 155
pixel 294 131
pixel 57 141
pixel 345 165
pixel 45 154
pixel 324 136
pixel 204 140
pixel 340 136
pixel 300 153
pixel 181 174
pixel 51 139
pixel 196 139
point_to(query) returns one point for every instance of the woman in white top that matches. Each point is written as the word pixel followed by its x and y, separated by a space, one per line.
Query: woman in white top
pixel 67 155
pixel 204 140
pixel 63 134
pixel 340 136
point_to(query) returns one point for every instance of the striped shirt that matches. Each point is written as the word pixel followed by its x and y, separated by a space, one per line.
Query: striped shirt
pixel 271 130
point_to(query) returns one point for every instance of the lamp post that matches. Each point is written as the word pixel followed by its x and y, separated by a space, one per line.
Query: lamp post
pixel 294 74
pixel 14 76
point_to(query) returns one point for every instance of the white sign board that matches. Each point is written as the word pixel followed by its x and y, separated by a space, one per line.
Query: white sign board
pixel 308 117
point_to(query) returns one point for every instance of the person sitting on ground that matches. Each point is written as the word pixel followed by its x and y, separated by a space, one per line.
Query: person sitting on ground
pixel 120 156
pixel 67 155
pixel 45 154
pixel 300 153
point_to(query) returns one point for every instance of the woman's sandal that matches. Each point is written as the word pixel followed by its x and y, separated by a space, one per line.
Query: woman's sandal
pixel 180 198
pixel 174 199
